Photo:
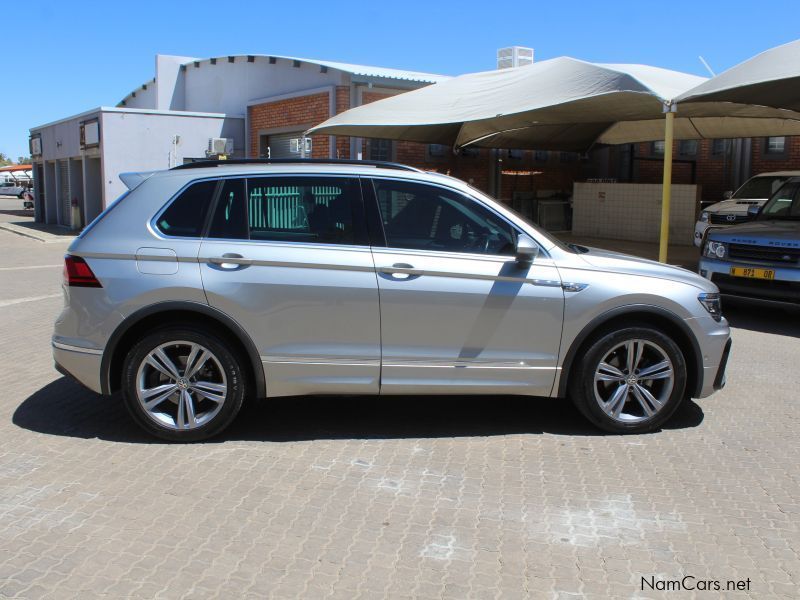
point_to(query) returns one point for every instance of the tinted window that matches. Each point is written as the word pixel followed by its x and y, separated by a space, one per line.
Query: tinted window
pixel 424 217
pixel 785 204
pixel 287 209
pixel 230 216
pixel 187 213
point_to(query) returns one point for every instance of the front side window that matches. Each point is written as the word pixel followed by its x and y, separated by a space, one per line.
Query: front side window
pixel 424 217
pixel 287 209
pixel 785 204
pixel 187 213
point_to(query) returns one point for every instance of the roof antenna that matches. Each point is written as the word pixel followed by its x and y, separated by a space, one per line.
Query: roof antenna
pixel 705 64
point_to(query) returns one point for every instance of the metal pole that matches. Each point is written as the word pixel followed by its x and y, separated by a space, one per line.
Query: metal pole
pixel 666 188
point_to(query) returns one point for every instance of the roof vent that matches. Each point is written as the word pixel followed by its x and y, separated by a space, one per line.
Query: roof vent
pixel 514 56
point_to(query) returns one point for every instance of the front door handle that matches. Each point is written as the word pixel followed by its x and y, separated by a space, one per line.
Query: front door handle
pixel 229 261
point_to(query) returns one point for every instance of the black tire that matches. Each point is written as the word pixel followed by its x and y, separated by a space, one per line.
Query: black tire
pixel 582 380
pixel 227 358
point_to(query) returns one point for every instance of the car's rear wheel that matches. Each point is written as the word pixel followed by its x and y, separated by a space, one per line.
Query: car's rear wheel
pixel 183 384
pixel 630 381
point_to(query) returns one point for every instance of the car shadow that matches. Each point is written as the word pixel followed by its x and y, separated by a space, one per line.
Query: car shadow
pixel 778 321
pixel 64 408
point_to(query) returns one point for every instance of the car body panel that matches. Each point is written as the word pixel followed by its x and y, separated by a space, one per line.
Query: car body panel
pixel 311 309
pixel 456 323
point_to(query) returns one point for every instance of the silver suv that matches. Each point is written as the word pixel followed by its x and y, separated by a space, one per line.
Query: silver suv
pixel 212 283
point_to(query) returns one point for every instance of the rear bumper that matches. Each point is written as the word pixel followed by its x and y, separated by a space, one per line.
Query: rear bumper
pixel 82 364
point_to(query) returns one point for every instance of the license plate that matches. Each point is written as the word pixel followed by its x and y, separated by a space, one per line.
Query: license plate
pixel 752 273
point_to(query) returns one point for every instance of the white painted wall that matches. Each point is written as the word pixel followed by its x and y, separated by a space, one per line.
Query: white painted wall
pixel 144 98
pixel 143 142
pixel 228 87
pixel 632 211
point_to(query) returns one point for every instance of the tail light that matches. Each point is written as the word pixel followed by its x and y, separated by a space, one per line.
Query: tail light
pixel 78 274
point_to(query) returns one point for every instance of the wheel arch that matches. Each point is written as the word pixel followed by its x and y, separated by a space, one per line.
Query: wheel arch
pixel 655 316
pixel 131 329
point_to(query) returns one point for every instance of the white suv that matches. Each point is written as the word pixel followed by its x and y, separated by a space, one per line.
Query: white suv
pixel 733 210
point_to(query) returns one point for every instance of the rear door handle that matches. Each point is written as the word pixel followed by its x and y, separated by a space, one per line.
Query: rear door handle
pixel 229 261
pixel 401 271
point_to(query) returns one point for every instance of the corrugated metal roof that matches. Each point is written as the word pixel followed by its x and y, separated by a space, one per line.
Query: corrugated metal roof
pixel 368 71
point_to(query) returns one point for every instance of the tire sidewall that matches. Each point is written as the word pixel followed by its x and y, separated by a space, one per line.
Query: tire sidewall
pixel 584 393
pixel 230 363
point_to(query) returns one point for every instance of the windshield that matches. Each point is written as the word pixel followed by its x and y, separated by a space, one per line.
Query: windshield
pixel 785 204
pixel 758 188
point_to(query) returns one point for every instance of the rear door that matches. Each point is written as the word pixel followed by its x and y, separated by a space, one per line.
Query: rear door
pixel 288 258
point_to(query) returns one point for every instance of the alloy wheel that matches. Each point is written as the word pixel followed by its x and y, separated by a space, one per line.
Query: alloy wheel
pixel 634 381
pixel 181 385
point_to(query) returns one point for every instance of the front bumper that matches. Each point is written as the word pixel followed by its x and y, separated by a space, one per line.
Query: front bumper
pixel 785 288
pixel 82 364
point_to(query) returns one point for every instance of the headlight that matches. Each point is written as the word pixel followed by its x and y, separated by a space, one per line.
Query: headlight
pixel 704 216
pixel 712 304
pixel 715 249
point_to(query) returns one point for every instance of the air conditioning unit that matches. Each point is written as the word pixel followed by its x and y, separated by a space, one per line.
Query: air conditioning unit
pixel 220 146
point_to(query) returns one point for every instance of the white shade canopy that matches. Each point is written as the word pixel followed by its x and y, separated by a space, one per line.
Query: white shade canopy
pixel 770 79
pixel 557 104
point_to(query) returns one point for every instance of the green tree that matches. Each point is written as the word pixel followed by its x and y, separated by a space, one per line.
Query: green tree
pixel 24 160
pixel 4 160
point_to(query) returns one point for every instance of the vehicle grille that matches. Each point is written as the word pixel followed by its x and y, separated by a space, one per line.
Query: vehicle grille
pixel 764 253
pixel 722 219
pixel 785 291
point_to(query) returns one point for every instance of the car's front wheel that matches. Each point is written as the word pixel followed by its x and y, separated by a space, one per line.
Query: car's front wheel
pixel 183 384
pixel 630 381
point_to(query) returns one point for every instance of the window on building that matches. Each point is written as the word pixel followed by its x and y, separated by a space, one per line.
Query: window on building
pixel 187 213
pixel 541 155
pixel 380 150
pixel 470 152
pixel 425 217
pixel 657 148
pixel 775 145
pixel 515 154
pixel 437 150
pixel 687 148
pixel 568 157
pixel 287 209
pixel 719 147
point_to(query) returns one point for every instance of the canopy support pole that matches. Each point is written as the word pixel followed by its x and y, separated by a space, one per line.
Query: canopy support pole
pixel 666 188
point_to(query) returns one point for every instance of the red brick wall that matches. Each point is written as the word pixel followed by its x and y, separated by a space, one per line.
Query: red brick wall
pixel 762 163
pixel 299 111
pixel 713 173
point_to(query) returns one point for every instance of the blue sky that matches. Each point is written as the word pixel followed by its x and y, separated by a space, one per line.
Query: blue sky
pixel 79 55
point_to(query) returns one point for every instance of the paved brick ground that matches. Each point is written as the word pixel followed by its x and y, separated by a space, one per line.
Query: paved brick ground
pixel 406 497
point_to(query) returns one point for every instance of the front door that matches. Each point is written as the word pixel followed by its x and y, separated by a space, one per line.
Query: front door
pixel 287 258
pixel 458 313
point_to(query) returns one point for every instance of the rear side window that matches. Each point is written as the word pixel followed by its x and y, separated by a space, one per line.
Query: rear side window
pixel 187 213
pixel 288 209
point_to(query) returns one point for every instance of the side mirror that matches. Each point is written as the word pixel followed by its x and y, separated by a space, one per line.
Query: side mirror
pixel 526 249
pixel 727 195
pixel 753 210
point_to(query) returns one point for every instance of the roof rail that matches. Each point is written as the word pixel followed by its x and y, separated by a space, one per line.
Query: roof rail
pixel 295 161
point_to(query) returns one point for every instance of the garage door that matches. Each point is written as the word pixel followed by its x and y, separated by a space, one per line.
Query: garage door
pixel 284 145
